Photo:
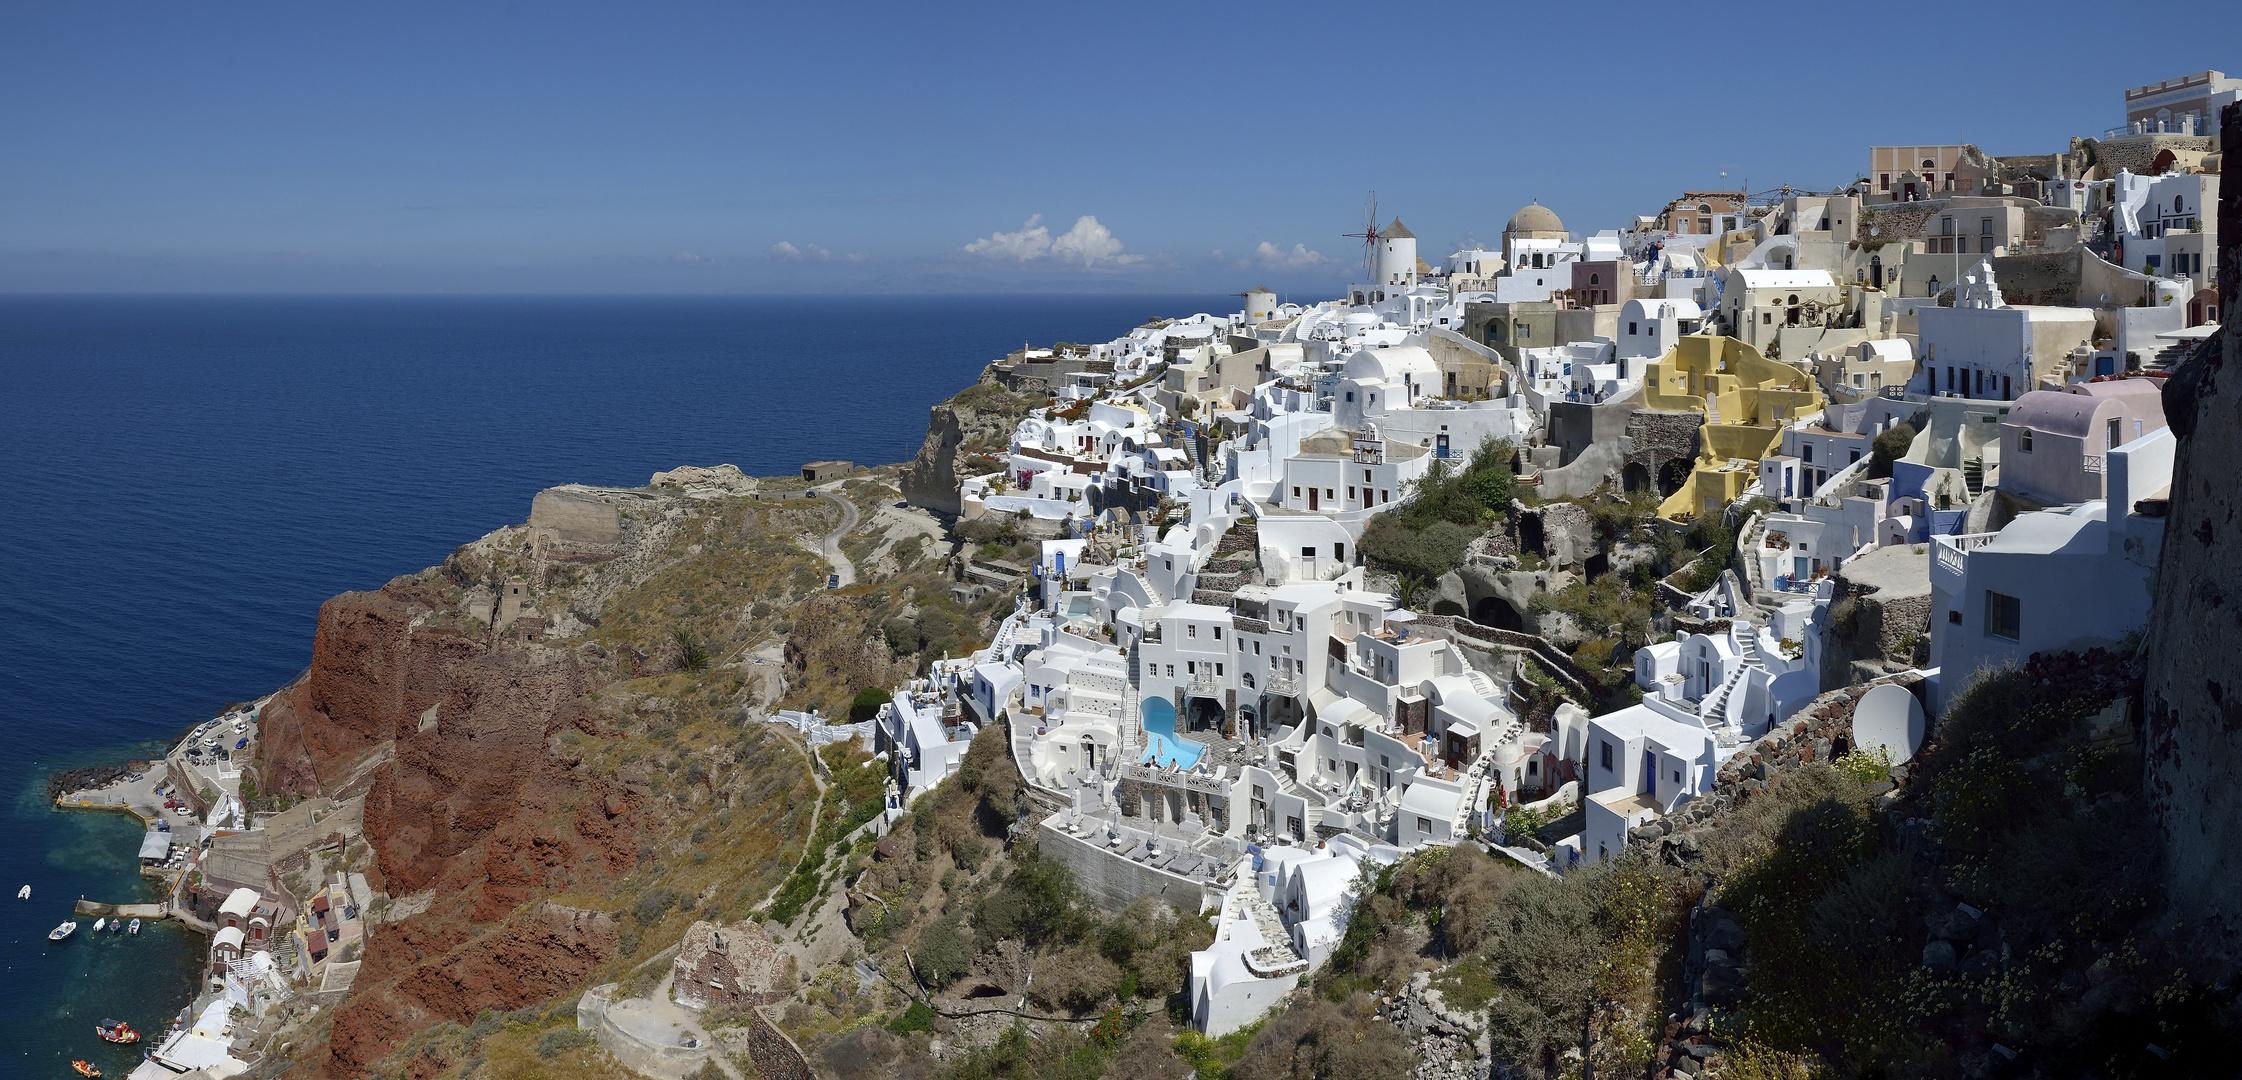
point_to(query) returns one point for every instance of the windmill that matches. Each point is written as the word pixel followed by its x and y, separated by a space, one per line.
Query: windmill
pixel 1369 233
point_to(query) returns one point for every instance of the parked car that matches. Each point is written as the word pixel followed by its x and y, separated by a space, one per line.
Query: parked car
pixel 240 744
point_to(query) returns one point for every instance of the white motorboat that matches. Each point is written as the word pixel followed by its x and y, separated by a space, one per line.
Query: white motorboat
pixel 24 893
pixel 135 931
pixel 63 931
pixel 98 924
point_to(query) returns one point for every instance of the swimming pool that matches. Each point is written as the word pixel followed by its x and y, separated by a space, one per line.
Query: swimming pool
pixel 1081 606
pixel 1159 731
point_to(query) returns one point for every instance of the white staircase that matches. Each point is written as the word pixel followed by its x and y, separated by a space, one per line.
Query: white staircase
pixel 1717 706
pixel 1314 814
pixel 1132 747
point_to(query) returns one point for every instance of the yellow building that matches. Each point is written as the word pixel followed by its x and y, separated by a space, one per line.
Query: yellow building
pixel 1746 399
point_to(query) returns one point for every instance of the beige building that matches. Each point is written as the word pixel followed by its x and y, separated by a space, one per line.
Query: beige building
pixel 1907 173
pixel 1864 369
pixel 1703 213
pixel 1758 304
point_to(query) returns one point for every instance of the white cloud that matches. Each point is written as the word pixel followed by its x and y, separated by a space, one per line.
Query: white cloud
pixel 1088 243
pixel 1091 243
pixel 1271 257
pixel 787 252
pixel 1031 242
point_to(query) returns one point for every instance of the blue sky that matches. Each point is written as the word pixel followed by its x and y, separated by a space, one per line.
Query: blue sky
pixel 556 147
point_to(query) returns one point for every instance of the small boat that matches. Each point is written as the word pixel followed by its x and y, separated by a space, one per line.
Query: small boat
pixel 85 1068
pixel 116 926
pixel 135 931
pixel 24 893
pixel 65 930
pixel 116 1031
pixel 97 923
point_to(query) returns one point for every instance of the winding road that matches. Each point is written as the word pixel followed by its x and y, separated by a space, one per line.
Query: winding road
pixel 830 547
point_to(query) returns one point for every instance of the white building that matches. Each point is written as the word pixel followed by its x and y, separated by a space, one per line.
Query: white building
pixel 1988 349
pixel 1644 761
pixel 1648 328
pixel 2052 579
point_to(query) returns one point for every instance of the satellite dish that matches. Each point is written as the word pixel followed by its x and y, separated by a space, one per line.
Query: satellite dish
pixel 1889 717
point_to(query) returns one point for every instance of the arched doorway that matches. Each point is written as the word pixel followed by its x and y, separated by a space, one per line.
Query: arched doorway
pixel 1496 612
pixel 2203 307
pixel 1673 474
pixel 1205 714
pixel 1448 607
pixel 1634 477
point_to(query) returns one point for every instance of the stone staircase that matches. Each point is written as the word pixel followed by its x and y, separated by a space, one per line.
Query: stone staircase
pixel 1236 562
pixel 1314 815
pixel 1716 708
pixel 1277 956
pixel 1973 475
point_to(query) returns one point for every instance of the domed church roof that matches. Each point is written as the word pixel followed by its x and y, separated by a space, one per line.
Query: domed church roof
pixel 1534 219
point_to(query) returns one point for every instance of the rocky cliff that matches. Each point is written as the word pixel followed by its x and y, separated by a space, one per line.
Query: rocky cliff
pixel 2192 689
pixel 535 768
pixel 961 433
pixel 450 737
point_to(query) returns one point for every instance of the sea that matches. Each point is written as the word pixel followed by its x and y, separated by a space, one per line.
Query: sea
pixel 183 479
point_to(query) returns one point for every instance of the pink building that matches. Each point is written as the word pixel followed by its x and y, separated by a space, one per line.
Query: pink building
pixel 2054 442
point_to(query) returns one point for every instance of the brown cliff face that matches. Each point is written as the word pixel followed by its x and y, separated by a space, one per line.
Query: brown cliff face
pixel 450 739
pixel 2192 687
pixel 544 953
pixel 959 433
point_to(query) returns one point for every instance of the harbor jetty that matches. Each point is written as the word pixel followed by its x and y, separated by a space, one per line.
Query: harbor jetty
pixel 96 909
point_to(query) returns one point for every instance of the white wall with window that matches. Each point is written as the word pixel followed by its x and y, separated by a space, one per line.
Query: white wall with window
pixel 2052 579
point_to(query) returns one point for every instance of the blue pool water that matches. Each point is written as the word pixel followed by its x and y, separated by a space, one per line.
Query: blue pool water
pixel 1159 731
pixel 185 479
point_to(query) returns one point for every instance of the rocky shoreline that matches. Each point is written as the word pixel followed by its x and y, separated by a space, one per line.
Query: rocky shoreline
pixel 91 776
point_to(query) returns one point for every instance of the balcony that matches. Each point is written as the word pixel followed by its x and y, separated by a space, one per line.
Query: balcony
pixel 1282 684
pixel 1950 559
pixel 1206 684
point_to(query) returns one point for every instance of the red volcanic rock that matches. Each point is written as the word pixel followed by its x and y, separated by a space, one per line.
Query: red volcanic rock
pixel 450 740
pixel 542 954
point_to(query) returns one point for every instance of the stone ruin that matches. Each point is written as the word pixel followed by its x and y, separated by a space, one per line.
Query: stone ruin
pixel 725 966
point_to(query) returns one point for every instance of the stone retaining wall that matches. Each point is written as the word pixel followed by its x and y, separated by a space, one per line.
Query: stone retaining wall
pixel 1112 882
pixel 1822 731
pixel 775 1056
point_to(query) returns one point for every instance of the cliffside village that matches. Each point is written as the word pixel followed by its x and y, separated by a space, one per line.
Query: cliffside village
pixel 1223 707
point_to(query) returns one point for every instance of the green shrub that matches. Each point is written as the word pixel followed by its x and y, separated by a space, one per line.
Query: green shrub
pixel 651 905
pixel 867 704
pixel 692 652
pixel 945 952
pixel 1426 552
pixel 916 1018
pixel 1036 903
pixel 1889 446
pixel 554 1043
pixel 1545 944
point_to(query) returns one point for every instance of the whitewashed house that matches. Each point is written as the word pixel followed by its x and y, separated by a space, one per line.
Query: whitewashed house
pixel 2051 579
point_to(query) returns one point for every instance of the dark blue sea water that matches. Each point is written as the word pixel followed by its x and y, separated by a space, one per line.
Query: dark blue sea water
pixel 184 479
